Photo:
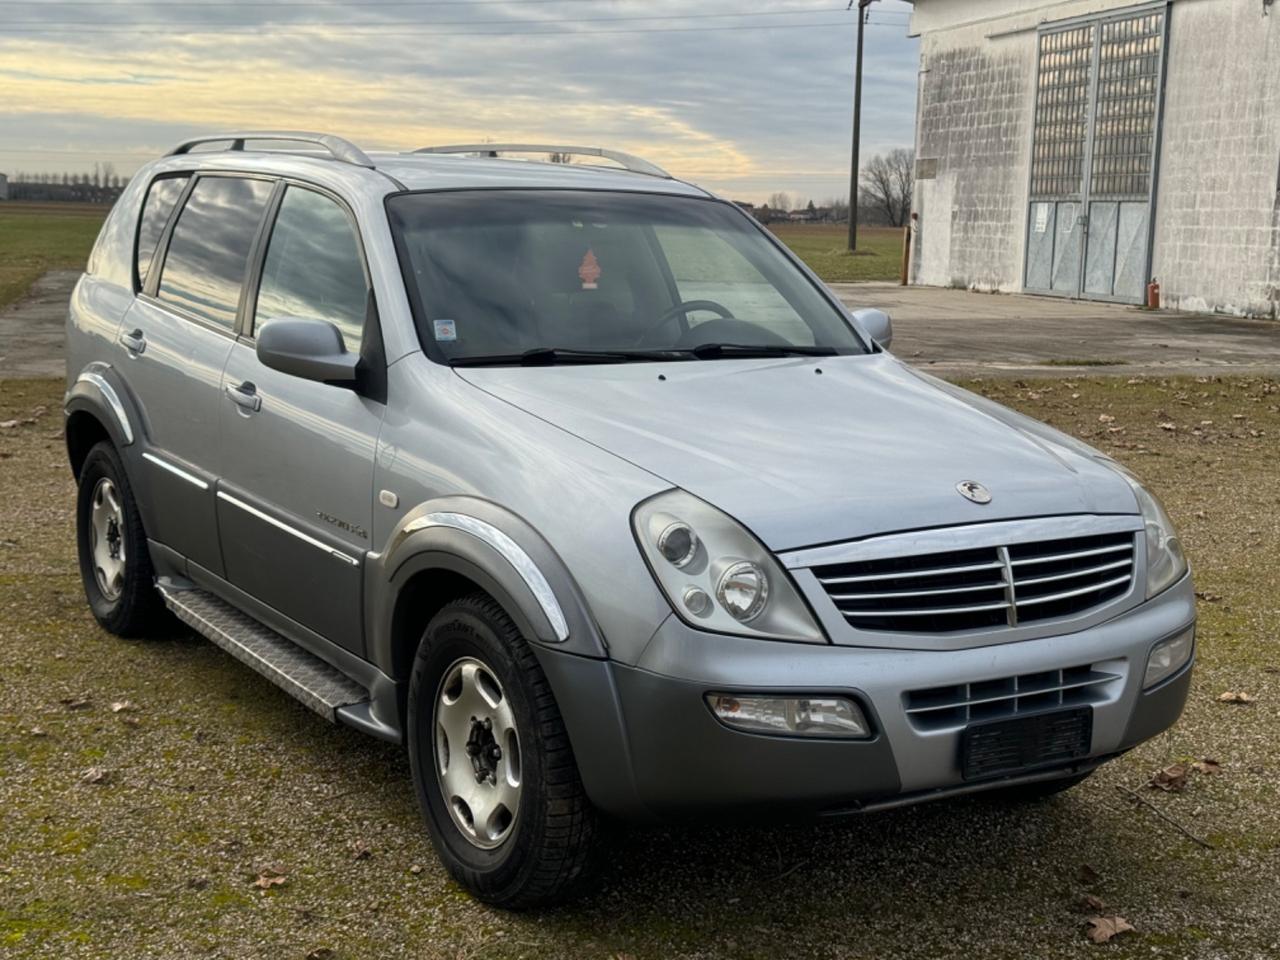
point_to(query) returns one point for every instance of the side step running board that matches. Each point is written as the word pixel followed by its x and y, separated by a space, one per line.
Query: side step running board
pixel 302 675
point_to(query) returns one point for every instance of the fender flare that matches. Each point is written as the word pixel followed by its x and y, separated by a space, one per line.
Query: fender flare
pixel 499 551
pixel 97 391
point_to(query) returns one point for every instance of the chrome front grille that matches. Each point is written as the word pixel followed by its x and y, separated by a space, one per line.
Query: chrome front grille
pixel 942 708
pixel 984 587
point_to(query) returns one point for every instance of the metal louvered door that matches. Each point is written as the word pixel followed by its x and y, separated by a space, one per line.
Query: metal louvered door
pixel 1094 150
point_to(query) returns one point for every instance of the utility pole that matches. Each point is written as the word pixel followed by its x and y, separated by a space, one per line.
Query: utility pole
pixel 857 126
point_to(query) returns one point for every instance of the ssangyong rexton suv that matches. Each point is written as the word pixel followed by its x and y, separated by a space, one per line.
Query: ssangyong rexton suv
pixel 577 483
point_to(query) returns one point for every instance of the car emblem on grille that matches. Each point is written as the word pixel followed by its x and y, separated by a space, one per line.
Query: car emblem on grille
pixel 973 490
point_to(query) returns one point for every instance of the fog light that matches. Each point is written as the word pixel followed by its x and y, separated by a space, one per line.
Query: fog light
pixel 791 716
pixel 1168 657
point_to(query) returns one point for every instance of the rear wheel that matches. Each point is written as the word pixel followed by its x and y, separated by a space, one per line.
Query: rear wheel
pixel 115 566
pixel 495 774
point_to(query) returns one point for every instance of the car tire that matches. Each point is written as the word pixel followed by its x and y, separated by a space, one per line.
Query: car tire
pixel 477 685
pixel 1036 792
pixel 115 565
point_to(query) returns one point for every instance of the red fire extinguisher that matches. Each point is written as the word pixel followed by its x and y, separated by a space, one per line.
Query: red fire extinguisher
pixel 1153 295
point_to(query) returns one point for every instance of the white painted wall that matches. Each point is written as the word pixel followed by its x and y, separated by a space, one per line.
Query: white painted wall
pixel 1217 244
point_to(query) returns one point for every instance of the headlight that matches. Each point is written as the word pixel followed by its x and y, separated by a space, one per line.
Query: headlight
pixel 1168 657
pixel 715 574
pixel 1166 563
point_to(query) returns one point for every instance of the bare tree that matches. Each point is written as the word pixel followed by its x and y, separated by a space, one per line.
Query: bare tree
pixel 780 201
pixel 888 181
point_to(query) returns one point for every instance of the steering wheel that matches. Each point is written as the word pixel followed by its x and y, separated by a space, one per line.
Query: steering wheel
pixel 683 309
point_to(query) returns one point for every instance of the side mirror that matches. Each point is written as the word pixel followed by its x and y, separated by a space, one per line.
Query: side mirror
pixel 311 349
pixel 876 325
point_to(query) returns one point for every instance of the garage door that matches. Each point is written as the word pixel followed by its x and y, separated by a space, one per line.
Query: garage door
pixel 1095 145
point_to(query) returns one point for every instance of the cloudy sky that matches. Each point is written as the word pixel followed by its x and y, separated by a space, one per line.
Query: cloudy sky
pixel 744 97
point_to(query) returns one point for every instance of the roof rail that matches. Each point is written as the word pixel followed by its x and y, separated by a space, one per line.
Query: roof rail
pixel 626 160
pixel 342 150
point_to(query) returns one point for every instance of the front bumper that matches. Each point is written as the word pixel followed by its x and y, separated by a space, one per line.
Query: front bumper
pixel 648 746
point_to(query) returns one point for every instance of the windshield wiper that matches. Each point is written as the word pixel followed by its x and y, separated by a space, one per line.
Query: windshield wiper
pixel 549 356
pixel 714 351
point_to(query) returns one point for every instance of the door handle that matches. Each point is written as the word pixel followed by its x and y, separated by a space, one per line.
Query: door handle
pixel 245 396
pixel 134 342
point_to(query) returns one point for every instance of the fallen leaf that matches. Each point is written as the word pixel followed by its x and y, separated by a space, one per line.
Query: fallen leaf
pixel 1232 696
pixel 1167 425
pixel 122 705
pixel 416 869
pixel 76 703
pixel 96 775
pixel 8 424
pixel 1172 779
pixel 1207 765
pixel 1088 875
pixel 37 732
pixel 1104 929
pixel 1208 597
pixel 269 877
pixel 360 850
pixel 1106 418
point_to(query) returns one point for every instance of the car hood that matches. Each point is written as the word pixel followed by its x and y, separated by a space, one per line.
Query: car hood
pixel 810 451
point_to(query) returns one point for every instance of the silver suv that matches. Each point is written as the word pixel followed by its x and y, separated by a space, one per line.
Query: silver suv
pixel 573 480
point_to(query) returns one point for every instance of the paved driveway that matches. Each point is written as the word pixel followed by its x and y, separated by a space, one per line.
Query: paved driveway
pixel 957 332
pixel 951 332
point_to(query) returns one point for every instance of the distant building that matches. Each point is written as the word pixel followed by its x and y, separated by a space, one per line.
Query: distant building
pixel 4 187
pixel 1081 148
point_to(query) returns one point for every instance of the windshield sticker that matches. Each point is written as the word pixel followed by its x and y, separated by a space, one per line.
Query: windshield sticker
pixel 589 272
pixel 446 329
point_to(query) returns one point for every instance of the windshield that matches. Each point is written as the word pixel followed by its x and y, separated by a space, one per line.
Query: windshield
pixel 513 276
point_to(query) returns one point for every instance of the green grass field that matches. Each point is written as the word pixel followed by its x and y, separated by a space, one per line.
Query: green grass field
pixel 822 247
pixel 35 237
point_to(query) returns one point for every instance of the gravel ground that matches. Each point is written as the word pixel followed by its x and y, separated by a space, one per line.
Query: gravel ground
pixel 144 786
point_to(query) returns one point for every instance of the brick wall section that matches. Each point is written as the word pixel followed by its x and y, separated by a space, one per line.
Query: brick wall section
pixel 1217 237
pixel 1218 209
pixel 975 113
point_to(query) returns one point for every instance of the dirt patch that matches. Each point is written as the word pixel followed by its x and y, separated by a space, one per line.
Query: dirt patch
pixel 33 331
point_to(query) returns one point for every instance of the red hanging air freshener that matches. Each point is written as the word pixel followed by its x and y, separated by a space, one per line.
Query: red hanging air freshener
pixel 589 272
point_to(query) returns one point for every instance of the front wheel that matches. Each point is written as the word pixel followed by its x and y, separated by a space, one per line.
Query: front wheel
pixel 495 775
pixel 115 566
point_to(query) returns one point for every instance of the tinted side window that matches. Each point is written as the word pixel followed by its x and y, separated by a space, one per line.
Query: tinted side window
pixel 314 268
pixel 205 263
pixel 161 197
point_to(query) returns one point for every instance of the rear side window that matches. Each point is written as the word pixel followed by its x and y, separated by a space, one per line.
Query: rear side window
pixel 205 264
pixel 161 197
pixel 314 268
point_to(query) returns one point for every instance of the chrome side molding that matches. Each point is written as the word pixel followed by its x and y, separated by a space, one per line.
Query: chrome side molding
pixel 292 531
pixel 176 471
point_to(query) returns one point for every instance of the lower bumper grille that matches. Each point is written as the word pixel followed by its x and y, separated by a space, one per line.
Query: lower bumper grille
pixel 1026 743
pixel 984 587
pixel 943 708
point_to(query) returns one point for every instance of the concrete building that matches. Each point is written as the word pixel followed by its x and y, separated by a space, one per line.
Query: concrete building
pixel 1081 148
